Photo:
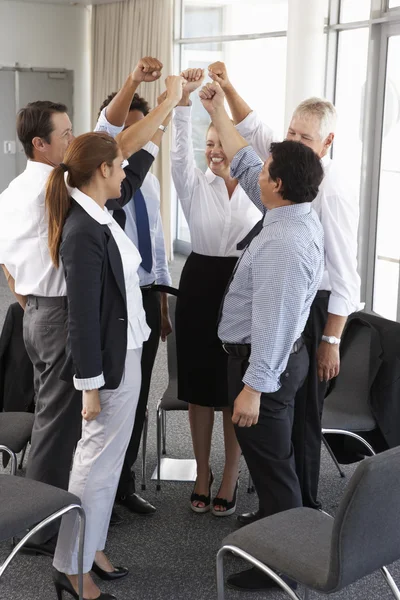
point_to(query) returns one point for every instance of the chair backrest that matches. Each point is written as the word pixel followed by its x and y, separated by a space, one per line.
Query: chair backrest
pixel 350 392
pixel 366 530
pixel 171 341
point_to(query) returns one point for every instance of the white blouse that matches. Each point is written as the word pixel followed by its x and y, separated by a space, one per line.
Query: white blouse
pixel 138 330
pixel 216 223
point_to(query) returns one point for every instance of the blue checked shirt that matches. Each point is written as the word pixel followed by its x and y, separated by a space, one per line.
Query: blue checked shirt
pixel 275 282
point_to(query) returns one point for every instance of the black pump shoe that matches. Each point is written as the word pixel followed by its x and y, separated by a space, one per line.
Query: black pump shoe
pixel 63 584
pixel 202 498
pixel 230 507
pixel 118 572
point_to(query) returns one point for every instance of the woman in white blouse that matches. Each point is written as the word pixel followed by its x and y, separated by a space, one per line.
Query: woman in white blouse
pixel 106 330
pixel 219 215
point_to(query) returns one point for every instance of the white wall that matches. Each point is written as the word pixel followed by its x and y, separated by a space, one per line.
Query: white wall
pixel 54 36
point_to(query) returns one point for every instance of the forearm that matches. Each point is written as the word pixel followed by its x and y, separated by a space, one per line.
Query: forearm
pixel 239 108
pixel 335 325
pixel 164 303
pixel 117 110
pixel 159 134
pixel 11 285
pixel 231 140
pixel 137 135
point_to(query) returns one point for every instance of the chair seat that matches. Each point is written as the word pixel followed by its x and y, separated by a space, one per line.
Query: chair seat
pixel 25 502
pixel 340 418
pixel 15 429
pixel 170 401
pixel 296 542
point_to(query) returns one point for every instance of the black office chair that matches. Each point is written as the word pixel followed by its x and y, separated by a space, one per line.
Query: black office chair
pixel 28 506
pixel 326 554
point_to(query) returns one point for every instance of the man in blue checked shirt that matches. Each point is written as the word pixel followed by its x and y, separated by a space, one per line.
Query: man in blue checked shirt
pixel 265 309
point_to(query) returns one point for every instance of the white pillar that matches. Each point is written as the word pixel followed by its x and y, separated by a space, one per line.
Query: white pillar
pixel 305 63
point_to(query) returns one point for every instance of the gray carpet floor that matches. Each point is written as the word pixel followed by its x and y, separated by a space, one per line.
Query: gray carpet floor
pixel 171 555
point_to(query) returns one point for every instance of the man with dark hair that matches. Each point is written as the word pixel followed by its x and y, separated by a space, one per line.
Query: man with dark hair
pixel 266 307
pixel 144 228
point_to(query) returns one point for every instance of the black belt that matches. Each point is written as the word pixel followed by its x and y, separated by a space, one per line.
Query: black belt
pixel 244 350
pixel 37 301
pixel 154 287
pixel 323 294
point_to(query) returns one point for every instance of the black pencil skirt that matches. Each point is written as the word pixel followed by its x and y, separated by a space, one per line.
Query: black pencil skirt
pixel 202 362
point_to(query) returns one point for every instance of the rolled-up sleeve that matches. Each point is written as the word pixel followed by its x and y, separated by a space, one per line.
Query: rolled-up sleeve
pixel 259 135
pixel 246 166
pixel 105 126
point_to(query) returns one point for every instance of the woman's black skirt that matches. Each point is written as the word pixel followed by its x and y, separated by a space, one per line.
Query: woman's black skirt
pixel 202 362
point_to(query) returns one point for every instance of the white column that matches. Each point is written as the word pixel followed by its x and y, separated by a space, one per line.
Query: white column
pixel 305 63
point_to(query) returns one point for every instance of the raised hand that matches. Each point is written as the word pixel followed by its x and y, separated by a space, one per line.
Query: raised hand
pixel 194 79
pixel 212 97
pixel 218 72
pixel 175 85
pixel 147 69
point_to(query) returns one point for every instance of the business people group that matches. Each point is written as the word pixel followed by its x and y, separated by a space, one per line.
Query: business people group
pixel 263 299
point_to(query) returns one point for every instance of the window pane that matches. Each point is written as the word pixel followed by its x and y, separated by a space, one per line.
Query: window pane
pixel 350 91
pixel 230 17
pixel 387 259
pixel 354 10
pixel 241 60
pixel 394 3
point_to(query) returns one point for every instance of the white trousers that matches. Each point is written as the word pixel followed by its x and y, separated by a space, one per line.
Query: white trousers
pixel 97 467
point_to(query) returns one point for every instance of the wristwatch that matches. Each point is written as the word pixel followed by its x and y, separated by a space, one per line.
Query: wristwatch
pixel 163 128
pixel 331 339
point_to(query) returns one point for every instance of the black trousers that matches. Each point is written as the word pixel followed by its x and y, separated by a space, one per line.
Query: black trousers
pixel 267 446
pixel 306 435
pixel 151 305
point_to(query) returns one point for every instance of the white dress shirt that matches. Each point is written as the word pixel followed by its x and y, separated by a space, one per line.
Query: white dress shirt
pixel 151 193
pixel 216 223
pixel 24 232
pixel 337 208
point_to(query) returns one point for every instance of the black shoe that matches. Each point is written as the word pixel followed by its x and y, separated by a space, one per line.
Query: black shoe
pixel 118 572
pixel 206 500
pixel 254 580
pixel 136 504
pixel 46 549
pixel 115 518
pixel 63 584
pixel 230 507
pixel 248 518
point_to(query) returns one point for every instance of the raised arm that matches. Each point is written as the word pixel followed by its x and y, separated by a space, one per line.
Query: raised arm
pixel 239 108
pixel 182 156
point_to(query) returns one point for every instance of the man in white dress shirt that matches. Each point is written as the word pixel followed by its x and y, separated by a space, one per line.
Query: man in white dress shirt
pixel 313 123
pixel 153 270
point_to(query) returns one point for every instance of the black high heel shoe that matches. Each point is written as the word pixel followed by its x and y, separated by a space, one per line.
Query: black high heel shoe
pixel 118 572
pixel 230 507
pixel 202 498
pixel 63 584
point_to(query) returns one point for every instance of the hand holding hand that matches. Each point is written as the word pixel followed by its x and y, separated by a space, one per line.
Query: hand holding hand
pixel 217 72
pixel 175 85
pixel 147 69
pixel 246 408
pixel 212 97
pixel 328 361
pixel 90 404
pixel 194 79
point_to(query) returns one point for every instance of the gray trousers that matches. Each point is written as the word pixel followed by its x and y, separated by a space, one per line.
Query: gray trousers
pixel 97 466
pixel 57 424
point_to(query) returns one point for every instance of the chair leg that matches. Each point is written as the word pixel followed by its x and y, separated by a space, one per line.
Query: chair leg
pixel 352 435
pixel 144 449
pixel 306 595
pixel 333 457
pixel 256 563
pixel 159 434
pixel 13 458
pixel 250 486
pixel 21 462
pixel 164 432
pixel 390 581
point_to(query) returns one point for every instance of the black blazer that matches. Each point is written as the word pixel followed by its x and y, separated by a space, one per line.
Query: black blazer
pixel 97 311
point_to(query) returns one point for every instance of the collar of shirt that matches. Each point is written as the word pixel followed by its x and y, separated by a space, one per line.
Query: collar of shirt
pixel 33 168
pixel 101 215
pixel 286 212
pixel 210 176
pixel 325 160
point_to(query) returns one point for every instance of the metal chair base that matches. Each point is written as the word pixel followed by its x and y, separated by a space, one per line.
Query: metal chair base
pixel 349 434
pixel 44 523
pixel 13 458
pixel 333 457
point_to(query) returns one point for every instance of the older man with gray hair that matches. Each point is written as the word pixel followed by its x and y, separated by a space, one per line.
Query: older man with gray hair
pixel 313 124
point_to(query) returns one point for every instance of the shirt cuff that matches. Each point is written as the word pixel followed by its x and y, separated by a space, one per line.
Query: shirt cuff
pixel 164 280
pixel 248 125
pixel 341 306
pixel 104 125
pixel 92 383
pixel 151 148
pixel 264 381
pixel 237 159
pixel 183 113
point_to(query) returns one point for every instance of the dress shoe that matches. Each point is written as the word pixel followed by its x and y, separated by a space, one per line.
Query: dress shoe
pixel 254 580
pixel 206 500
pixel 250 517
pixel 118 572
pixel 46 549
pixel 136 504
pixel 63 584
pixel 115 518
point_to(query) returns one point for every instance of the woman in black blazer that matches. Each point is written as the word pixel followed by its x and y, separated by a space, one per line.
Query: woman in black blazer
pixel 106 330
